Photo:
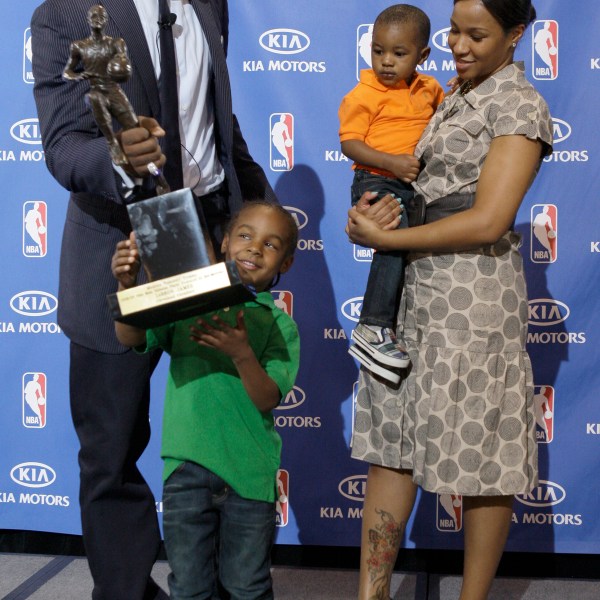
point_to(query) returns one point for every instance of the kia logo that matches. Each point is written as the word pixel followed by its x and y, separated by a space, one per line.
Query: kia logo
pixel 561 130
pixel 33 303
pixel 295 398
pixel 26 131
pixel 299 216
pixel 284 41
pixel 544 312
pixel 354 487
pixel 33 475
pixel 440 39
pixel 351 308
pixel 547 493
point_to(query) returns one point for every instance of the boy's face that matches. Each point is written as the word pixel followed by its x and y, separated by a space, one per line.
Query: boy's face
pixel 258 243
pixel 396 52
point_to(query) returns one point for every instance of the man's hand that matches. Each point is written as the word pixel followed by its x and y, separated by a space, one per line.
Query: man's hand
pixel 140 146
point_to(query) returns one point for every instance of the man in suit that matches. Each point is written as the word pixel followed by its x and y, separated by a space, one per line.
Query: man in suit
pixel 109 384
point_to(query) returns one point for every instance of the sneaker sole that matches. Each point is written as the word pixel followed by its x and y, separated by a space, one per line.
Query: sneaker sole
pixel 380 357
pixel 372 366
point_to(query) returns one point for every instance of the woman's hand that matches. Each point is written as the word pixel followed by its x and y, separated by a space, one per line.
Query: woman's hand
pixel 385 212
pixel 364 231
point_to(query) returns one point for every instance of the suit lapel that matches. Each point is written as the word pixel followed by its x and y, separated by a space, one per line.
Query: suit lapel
pixel 124 16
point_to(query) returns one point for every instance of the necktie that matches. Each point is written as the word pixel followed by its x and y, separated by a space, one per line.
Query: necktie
pixel 169 105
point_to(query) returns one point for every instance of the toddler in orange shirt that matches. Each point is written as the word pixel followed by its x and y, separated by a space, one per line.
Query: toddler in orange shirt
pixel 381 121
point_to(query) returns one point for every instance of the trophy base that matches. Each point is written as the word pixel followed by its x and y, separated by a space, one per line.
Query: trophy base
pixel 181 296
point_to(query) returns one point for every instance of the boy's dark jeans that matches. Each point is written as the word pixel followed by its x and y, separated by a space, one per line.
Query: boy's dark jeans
pixel 386 277
pixel 214 538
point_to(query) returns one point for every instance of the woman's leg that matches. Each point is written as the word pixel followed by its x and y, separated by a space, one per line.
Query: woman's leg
pixel 388 503
pixel 487 522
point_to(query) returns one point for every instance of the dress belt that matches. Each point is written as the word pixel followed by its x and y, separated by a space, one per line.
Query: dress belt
pixel 448 205
pixel 419 213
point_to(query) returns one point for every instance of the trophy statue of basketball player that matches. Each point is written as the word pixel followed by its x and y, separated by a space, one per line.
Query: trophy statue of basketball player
pixel 105 65
pixel 170 230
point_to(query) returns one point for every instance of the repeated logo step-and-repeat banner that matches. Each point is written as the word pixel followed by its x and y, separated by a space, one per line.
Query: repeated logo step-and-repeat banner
pixel 291 63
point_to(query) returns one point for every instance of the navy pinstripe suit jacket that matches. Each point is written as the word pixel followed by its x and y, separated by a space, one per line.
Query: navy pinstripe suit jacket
pixel 77 155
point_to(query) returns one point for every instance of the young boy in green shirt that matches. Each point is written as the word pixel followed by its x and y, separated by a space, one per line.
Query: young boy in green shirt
pixel 229 369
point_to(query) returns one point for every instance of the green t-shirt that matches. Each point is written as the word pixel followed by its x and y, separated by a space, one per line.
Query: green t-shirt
pixel 209 418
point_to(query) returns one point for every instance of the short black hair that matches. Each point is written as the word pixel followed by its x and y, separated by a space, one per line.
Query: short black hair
pixel 407 13
pixel 286 214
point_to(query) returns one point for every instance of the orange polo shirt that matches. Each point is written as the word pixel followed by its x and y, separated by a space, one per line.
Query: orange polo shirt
pixel 388 119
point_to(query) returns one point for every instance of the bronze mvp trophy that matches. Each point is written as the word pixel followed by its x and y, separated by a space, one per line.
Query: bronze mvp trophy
pixel 174 246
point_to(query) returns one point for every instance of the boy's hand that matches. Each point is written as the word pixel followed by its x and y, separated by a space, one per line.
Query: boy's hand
pixel 125 264
pixel 404 166
pixel 233 341
pixel 219 335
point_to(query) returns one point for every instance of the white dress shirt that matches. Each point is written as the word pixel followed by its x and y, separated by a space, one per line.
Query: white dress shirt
pixel 202 171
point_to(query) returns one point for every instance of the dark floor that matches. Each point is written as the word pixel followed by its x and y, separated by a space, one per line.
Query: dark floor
pixel 46 577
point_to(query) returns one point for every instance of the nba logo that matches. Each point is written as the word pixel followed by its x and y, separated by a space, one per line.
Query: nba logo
pixel 449 512
pixel 282 503
pixel 35 229
pixel 284 300
pixel 543 400
pixel 27 69
pixel 544 61
pixel 362 254
pixel 281 127
pixel 364 35
pixel 34 400
pixel 544 233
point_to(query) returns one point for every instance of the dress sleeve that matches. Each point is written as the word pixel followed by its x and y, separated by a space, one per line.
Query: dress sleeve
pixel 522 112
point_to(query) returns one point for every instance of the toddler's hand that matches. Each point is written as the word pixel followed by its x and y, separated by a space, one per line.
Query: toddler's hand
pixel 405 167
pixel 453 84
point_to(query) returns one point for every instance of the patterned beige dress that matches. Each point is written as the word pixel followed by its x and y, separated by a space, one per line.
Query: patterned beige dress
pixel 463 418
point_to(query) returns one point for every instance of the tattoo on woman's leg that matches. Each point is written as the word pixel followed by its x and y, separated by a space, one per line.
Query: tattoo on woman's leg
pixel 384 541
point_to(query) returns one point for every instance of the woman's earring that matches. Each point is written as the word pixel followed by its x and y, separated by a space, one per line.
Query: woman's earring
pixel 514 44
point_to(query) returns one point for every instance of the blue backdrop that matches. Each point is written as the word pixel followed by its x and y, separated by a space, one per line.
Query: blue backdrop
pixel 291 63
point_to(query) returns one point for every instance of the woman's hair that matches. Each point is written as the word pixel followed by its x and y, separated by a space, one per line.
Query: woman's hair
pixel 510 13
